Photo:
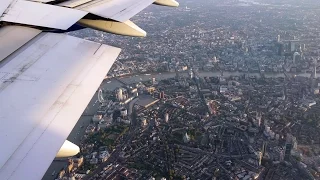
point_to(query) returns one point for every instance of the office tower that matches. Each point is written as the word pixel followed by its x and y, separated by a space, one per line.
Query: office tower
pixel 292 46
pixel 296 58
pixel 288 147
pixel 161 95
pixel 260 158
pixel 186 138
pixel 191 73
pixel 153 81
pixel 264 148
pixel 281 49
pixel 258 118
pixel 166 117
pixel 315 71
pixel 119 94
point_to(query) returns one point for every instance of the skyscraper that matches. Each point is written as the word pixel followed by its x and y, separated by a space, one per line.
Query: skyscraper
pixel 315 69
pixel 278 38
pixel 153 81
pixel 288 147
pixel 119 94
pixel 186 138
pixel 166 117
pixel 264 148
pixel 292 46
pixel 260 158
pixel 281 49
pixel 258 119
pixel 296 58
pixel 191 73
pixel 161 95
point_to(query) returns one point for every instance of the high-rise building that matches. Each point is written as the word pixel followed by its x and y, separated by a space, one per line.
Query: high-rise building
pixel 119 94
pixel 144 122
pixel 186 138
pixel 264 148
pixel 161 95
pixel 281 49
pixel 288 147
pixel 260 157
pixel 292 45
pixel 278 38
pixel 123 112
pixel 281 155
pixel 153 81
pixel 191 73
pixel 313 76
pixel 214 59
pixel 258 119
pixel 294 143
pixel 287 152
pixel 166 117
pixel 315 71
pixel 296 57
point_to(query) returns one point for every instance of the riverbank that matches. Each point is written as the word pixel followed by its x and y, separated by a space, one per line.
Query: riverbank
pixel 110 83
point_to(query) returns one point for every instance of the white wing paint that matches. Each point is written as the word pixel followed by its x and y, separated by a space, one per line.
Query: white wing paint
pixel 119 10
pixel 44 15
pixel 4 5
pixel 13 37
pixel 42 1
pixel 74 3
pixel 44 88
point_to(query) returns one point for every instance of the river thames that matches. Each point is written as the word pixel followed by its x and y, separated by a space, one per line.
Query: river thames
pixel 113 83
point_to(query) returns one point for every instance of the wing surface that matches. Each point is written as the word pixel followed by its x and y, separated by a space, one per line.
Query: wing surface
pixel 120 10
pixel 13 37
pixel 39 14
pixel 44 88
pixel 4 5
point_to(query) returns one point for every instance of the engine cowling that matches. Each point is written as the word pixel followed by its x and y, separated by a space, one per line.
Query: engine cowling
pixel 68 149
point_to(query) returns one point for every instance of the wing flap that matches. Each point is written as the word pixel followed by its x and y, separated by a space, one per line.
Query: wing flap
pixel 13 37
pixel 42 1
pixel 65 73
pixel 74 3
pixel 44 15
pixel 120 10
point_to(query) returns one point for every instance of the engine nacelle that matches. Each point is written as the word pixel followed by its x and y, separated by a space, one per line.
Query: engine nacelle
pixel 68 149
pixel 171 3
pixel 127 28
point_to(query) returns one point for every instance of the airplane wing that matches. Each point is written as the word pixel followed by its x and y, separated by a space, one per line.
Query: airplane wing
pixel 47 78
